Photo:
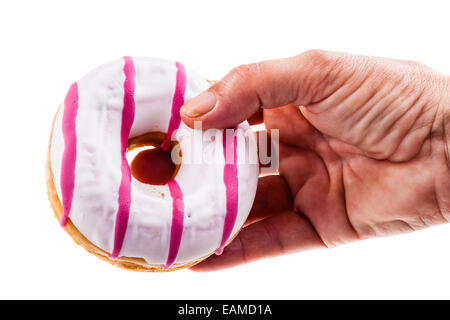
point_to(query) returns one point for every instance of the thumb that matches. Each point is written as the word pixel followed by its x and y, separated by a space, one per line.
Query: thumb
pixel 297 80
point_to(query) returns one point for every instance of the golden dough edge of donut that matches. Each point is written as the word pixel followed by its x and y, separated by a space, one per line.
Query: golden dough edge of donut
pixel 128 263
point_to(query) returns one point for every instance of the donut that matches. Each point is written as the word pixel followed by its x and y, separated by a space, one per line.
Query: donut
pixel 155 215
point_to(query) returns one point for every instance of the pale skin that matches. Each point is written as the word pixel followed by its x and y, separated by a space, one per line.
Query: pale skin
pixel 364 150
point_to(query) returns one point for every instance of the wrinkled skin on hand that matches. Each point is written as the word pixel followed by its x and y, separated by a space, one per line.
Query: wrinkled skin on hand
pixel 363 150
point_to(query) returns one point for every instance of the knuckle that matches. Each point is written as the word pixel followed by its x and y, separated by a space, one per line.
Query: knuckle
pixel 320 70
pixel 322 60
pixel 316 56
pixel 238 77
pixel 246 71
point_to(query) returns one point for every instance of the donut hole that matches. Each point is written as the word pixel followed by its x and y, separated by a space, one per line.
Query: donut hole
pixel 148 162
pixel 153 166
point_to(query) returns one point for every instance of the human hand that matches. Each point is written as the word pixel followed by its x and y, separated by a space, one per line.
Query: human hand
pixel 364 149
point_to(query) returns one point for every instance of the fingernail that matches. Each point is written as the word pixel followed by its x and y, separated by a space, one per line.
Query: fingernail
pixel 201 104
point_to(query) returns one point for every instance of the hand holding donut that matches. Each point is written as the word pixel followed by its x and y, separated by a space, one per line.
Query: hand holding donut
pixel 364 149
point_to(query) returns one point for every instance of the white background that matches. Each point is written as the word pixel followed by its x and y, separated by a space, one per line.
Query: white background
pixel 46 45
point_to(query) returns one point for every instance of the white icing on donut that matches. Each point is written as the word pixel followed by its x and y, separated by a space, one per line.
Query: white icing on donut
pixel 98 167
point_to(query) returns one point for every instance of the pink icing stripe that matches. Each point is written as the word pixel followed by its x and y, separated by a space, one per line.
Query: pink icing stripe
pixel 177 196
pixel 230 178
pixel 125 184
pixel 70 151
pixel 177 222
pixel 177 103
